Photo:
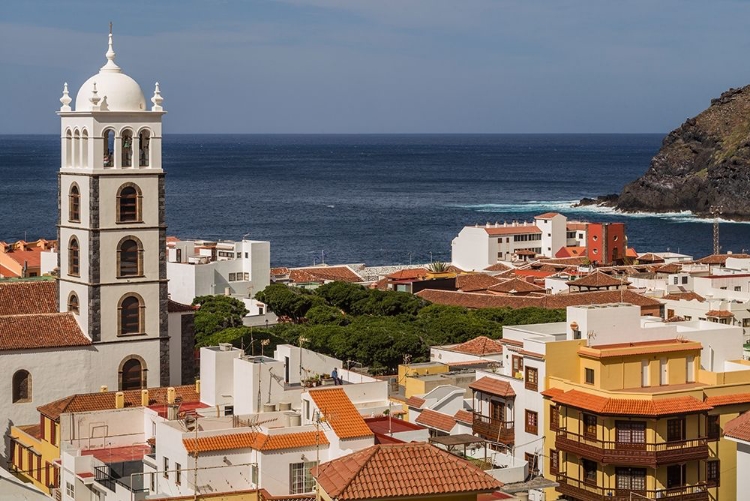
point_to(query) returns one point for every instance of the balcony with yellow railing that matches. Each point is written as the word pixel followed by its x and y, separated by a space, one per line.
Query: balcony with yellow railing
pixel 631 453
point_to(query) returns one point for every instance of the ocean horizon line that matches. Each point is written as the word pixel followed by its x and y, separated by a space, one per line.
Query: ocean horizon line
pixel 230 134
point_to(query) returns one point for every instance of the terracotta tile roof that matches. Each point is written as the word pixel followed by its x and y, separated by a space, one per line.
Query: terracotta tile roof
pixel 684 296
pixel 463 416
pixel 719 314
pixel 597 279
pixel 480 345
pixel 547 215
pixel 669 269
pixel 739 427
pixel 20 298
pixel 552 392
pixel 50 330
pixel 633 407
pixel 255 440
pixel 512 230
pixel 408 274
pixel 6 273
pixel 493 386
pixel 534 273
pixel 498 267
pixel 33 430
pixel 340 412
pixel 88 402
pixel 324 273
pixel 475 282
pixel 516 285
pixel 720 258
pixel 631 252
pixel 474 300
pixel 730 399
pixel 172 239
pixel 401 471
pixel 568 261
pixel 415 402
pixel 575 226
pixel 437 420
pixel 571 252
pixel 650 258
pixel 175 307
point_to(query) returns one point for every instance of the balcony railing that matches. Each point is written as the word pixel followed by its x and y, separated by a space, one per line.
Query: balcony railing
pixel 584 491
pixel 493 429
pixel 633 454
pixel 103 475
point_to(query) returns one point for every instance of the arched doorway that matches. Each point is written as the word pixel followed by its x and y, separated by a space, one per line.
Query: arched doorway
pixel 132 373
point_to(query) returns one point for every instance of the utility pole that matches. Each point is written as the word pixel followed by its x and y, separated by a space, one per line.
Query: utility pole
pixel 715 212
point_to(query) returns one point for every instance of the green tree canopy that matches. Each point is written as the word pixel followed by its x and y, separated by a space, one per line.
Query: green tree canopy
pixel 216 314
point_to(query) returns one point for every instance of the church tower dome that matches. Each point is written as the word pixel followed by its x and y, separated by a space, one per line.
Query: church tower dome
pixel 116 90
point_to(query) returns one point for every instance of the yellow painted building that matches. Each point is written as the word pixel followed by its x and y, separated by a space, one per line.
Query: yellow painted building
pixel 634 420
pixel 33 451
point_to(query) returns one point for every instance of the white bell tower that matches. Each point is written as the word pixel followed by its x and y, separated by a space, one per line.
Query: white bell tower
pixel 111 223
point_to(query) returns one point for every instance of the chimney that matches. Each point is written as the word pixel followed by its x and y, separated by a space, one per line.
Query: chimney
pixel 119 400
pixel 103 388
pixel 144 398
pixel 170 395
pixel 198 386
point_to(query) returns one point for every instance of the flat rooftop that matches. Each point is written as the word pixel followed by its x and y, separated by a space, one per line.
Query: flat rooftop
pixel 123 454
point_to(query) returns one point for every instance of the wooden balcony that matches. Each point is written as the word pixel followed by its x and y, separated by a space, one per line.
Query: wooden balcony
pixel 493 429
pixel 584 491
pixel 631 454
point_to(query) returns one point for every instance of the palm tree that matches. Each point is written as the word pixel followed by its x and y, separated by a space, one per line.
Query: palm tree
pixel 438 267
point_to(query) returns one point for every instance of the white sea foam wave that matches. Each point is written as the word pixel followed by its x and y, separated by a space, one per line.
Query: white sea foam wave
pixel 567 208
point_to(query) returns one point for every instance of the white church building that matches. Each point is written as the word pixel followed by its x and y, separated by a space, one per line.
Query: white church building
pixel 108 320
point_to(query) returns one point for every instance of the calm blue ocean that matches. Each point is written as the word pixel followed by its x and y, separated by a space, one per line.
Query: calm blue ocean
pixel 376 199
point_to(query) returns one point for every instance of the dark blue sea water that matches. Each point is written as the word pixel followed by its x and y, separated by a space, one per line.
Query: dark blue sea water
pixel 377 199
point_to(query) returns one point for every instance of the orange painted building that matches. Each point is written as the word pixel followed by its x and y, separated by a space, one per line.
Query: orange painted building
pixel 606 243
pixel 23 259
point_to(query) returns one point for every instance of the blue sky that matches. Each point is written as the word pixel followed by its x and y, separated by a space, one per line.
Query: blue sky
pixel 379 66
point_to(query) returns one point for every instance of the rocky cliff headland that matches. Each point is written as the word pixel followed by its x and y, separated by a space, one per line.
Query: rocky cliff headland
pixel 705 162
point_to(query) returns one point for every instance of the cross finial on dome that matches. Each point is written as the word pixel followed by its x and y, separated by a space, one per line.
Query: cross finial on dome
pixel 65 99
pixel 157 99
pixel 110 66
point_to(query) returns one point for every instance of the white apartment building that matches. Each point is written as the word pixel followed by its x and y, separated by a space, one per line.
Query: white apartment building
pixel 478 247
pixel 202 267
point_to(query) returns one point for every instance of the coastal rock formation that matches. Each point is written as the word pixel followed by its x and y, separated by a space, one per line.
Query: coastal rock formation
pixel 704 162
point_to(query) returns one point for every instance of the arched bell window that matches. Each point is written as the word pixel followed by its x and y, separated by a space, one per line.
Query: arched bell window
pixel 129 204
pixel 74 257
pixel 74 204
pixel 21 386
pixel 74 305
pixel 131 315
pixel 132 375
pixel 130 258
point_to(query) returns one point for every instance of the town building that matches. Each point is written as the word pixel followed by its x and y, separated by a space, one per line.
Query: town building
pixel 550 235
pixel 738 430
pixel 24 259
pixel 201 268
pixel 106 320
pixel 638 407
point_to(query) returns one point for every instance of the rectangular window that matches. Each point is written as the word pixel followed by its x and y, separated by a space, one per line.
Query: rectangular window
pixel 712 473
pixel 589 471
pixel 589 426
pixel 239 255
pixel 675 430
pixel 663 374
pixel 70 490
pixel 690 368
pixel 737 288
pixel 630 432
pixel 254 474
pixel 247 277
pixel 533 461
pixel 589 376
pixel 684 280
pixel 300 477
pixel 554 417
pixel 166 467
pixel 177 473
pixel 52 433
pixel 532 422
pixel 554 462
pixel 179 255
pixel 631 479
pixel 644 374
pixel 232 277
pixel 517 366
pixel 713 427
pixel 532 379
pixel 676 474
